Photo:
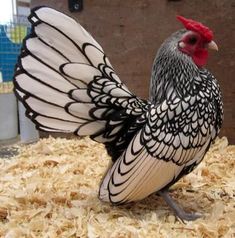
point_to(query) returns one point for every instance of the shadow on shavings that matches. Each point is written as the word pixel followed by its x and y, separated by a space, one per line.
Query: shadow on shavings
pixel 50 190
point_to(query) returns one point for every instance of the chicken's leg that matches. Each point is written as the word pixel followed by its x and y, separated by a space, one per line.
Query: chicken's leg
pixel 179 212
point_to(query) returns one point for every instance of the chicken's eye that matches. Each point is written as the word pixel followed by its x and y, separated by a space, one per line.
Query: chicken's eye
pixel 192 40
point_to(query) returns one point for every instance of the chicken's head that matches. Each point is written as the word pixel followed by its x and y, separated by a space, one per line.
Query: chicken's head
pixel 196 41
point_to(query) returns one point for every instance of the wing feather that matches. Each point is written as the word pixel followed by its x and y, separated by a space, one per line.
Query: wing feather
pixel 136 174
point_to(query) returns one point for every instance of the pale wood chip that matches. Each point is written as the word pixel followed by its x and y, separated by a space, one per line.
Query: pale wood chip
pixel 50 190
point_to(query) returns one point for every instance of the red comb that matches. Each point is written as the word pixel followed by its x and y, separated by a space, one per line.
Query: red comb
pixel 198 27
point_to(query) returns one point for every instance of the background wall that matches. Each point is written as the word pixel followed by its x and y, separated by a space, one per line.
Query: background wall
pixel 131 32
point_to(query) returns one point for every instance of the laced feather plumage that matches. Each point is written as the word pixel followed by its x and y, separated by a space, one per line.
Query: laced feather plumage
pixel 67 84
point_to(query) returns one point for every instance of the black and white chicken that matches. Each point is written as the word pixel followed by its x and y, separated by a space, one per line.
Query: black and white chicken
pixel 67 84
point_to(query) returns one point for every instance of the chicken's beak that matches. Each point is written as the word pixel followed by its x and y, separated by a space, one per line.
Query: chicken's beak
pixel 212 45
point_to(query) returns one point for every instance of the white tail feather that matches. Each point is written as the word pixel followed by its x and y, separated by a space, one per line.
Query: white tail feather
pixel 66 82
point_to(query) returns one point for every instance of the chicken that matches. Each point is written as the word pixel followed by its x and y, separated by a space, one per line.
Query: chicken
pixel 68 85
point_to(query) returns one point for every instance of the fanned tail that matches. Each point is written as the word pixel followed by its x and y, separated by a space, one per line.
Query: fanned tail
pixel 67 83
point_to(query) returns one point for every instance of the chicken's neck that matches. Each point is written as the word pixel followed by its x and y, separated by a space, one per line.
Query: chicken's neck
pixel 173 75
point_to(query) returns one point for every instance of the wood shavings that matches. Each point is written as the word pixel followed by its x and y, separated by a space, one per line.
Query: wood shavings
pixel 6 87
pixel 3 213
pixel 50 190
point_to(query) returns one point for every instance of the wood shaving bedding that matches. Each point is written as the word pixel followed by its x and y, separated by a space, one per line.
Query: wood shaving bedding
pixel 6 87
pixel 50 190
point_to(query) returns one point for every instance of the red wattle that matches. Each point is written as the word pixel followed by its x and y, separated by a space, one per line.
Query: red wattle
pixel 200 57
